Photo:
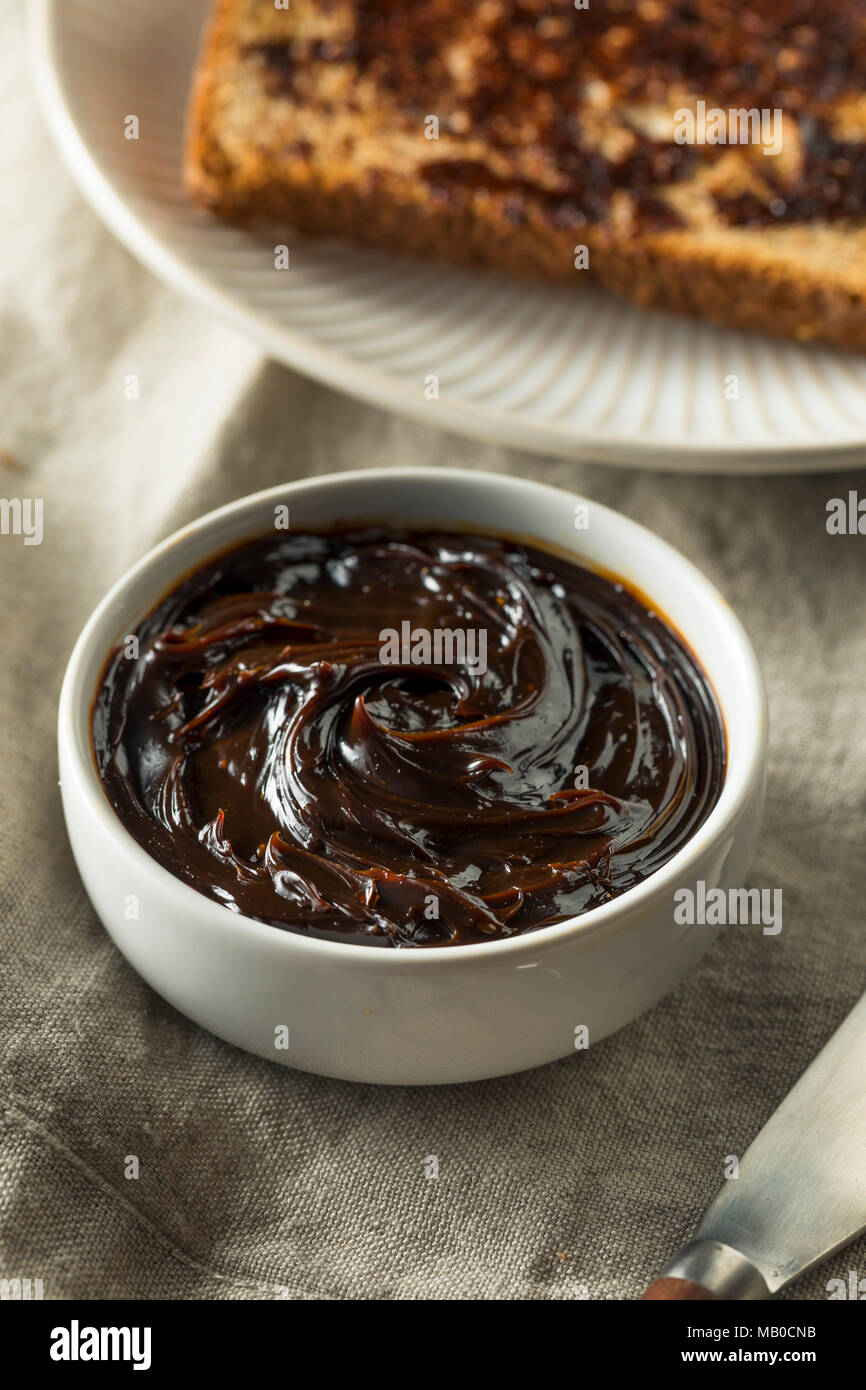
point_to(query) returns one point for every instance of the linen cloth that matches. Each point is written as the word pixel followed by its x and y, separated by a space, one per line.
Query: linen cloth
pixel 579 1179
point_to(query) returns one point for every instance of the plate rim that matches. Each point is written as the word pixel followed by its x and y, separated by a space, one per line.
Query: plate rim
pixel 307 356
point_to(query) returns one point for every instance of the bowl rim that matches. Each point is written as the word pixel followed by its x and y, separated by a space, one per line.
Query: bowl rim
pixel 742 775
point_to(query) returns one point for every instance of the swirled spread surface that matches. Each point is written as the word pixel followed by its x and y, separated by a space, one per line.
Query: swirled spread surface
pixel 406 739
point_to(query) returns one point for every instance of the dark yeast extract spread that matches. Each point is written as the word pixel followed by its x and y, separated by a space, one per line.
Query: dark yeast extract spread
pixel 563 91
pixel 406 738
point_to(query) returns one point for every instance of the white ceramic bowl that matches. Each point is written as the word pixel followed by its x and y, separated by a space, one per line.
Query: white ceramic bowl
pixel 426 1016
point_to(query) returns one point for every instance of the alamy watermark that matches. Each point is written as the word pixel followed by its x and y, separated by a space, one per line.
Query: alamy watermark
pixel 438 646
pixel 20 1290
pixel 22 516
pixel 714 907
pixel 853 1289
pixel 846 516
pixel 77 1343
pixel 712 125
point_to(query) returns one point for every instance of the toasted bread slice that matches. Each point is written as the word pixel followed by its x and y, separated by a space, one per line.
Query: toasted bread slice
pixel 710 159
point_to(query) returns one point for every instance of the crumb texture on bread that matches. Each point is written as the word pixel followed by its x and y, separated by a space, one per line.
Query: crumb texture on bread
pixel 507 133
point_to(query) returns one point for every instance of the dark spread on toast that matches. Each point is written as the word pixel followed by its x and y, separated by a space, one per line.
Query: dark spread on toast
pixel 560 96
pixel 285 735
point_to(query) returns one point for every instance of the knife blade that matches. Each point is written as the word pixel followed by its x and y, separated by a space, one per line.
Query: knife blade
pixel 801 1190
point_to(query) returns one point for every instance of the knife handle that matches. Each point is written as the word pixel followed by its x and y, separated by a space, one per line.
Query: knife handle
pixel 677 1289
pixel 707 1270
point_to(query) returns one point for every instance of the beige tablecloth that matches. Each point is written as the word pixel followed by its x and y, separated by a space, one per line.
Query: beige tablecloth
pixel 256 1182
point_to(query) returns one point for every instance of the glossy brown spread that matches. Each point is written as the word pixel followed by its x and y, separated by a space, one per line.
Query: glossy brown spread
pixel 559 107
pixel 268 739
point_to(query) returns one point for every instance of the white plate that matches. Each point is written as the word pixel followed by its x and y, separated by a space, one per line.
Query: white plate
pixel 579 374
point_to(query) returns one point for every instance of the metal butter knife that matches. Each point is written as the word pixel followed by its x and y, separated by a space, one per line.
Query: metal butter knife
pixel 801 1192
